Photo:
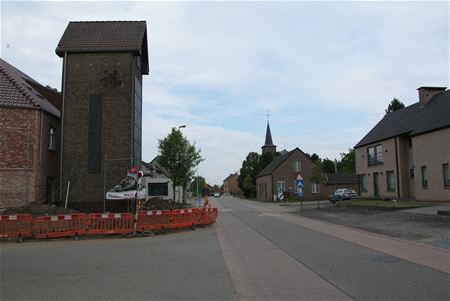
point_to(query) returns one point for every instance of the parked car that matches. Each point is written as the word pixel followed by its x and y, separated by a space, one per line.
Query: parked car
pixel 343 194
pixel 216 195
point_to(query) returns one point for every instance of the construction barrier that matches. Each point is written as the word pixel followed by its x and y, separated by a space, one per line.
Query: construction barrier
pixel 153 220
pixel 110 223
pixel 182 218
pixel 16 226
pixel 24 226
pixel 60 226
pixel 208 216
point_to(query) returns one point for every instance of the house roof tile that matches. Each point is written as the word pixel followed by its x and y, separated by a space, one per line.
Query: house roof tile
pixel 412 120
pixel 19 90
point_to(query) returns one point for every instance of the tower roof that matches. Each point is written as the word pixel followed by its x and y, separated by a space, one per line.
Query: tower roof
pixel 106 36
pixel 268 141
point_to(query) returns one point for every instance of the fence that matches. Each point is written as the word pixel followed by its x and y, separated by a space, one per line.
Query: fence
pixel 24 226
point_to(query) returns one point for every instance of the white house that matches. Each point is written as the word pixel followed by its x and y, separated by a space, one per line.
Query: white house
pixel 158 184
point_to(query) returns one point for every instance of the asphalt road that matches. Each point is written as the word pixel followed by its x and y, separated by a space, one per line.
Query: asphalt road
pixel 347 270
pixel 252 253
pixel 179 266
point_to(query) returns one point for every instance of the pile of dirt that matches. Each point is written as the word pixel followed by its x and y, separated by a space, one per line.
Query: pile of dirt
pixel 38 209
pixel 161 204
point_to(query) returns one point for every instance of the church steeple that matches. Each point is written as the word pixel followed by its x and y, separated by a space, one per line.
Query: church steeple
pixel 268 144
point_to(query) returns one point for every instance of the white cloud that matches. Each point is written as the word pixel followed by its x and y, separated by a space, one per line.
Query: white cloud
pixel 319 67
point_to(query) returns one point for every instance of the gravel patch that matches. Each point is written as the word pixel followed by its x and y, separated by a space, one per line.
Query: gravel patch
pixel 429 229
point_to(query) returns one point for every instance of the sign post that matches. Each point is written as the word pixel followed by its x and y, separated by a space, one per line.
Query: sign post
pixel 299 184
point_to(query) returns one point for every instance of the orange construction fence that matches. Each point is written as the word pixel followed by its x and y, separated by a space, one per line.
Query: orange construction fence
pixel 24 226
pixel 16 226
pixel 60 226
pixel 110 223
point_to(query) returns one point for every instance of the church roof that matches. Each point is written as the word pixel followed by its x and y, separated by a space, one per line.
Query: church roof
pixel 268 141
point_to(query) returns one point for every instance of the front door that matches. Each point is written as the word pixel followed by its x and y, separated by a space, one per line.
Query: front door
pixel 376 185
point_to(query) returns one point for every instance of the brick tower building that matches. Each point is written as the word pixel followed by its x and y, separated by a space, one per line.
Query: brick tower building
pixel 101 123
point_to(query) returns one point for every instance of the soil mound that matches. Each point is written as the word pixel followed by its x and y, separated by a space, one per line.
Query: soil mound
pixel 161 204
pixel 38 209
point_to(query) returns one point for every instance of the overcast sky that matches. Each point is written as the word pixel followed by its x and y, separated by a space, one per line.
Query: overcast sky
pixel 325 71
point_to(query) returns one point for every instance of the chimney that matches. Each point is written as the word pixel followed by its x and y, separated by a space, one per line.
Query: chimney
pixel 427 93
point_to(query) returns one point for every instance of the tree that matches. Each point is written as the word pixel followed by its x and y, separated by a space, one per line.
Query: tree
pixel 250 167
pixel 179 157
pixel 394 106
pixel 201 185
pixel 249 186
pixel 347 163
pixel 317 174
pixel 315 158
pixel 327 165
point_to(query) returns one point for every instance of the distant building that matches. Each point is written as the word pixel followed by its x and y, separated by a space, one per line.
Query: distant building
pixel 158 184
pixel 278 179
pixel 279 176
pixel 29 139
pixel 407 154
pixel 103 64
pixel 231 185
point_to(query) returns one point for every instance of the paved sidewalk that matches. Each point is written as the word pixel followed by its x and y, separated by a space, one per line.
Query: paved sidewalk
pixel 429 210
pixel 428 256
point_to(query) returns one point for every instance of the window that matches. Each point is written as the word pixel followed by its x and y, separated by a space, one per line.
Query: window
pixel 137 129
pixel 390 181
pixel 158 189
pixel 409 142
pixel 446 175
pixel 424 177
pixel 315 187
pixel 95 134
pixel 375 155
pixel 281 185
pixel 297 165
pixel 362 183
pixel 411 173
pixel 51 138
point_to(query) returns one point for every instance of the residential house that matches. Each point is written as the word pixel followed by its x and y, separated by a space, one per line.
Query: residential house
pixel 407 154
pixel 279 176
pixel 30 135
pixel 103 65
pixel 158 184
pixel 231 186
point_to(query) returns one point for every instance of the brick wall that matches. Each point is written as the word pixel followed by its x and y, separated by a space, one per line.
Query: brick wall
pixel 110 76
pixel 25 161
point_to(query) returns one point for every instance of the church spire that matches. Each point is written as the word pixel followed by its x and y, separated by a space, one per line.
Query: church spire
pixel 268 144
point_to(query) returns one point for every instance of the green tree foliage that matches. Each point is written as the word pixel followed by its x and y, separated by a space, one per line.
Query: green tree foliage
pixel 347 163
pixel 394 106
pixel 201 185
pixel 317 174
pixel 249 186
pixel 315 158
pixel 251 167
pixel 327 165
pixel 179 157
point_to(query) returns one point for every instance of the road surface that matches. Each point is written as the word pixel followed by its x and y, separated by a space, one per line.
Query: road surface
pixel 255 252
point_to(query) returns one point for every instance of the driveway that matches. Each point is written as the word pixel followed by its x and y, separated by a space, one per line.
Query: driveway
pixel 421 225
